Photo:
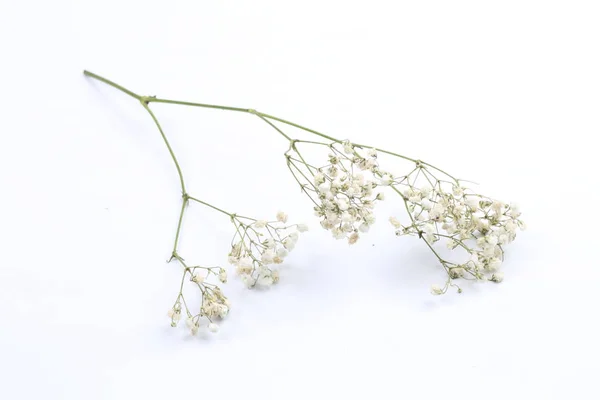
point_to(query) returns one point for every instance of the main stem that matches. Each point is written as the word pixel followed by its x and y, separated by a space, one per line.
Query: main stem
pixel 263 116
pixel 186 198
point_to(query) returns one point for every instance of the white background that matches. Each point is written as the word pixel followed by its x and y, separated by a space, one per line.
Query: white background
pixel 506 94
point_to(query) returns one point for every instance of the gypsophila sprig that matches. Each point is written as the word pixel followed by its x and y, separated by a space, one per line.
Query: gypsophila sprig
pixel 258 250
pixel 441 209
pixel 344 188
pixel 258 246
pixel 214 304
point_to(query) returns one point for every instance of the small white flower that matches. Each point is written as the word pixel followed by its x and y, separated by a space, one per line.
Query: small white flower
pixel 289 244
pixel 364 227
pixel 338 233
pixel 386 180
pixel 415 199
pixel 395 223
pixel 267 256
pixel 245 262
pixel 497 277
pixel 247 280
pixel 429 228
pixel 494 264
pixel 472 202
pixel 260 224
pixel 223 275
pixel 347 217
pixel 380 196
pixel 265 280
pixel 457 272
pixel 348 148
pixel 197 278
pixel 436 289
pixel 353 238
pixel 302 228
pixel 503 239
pixel 282 252
pixel 492 239
pixel 426 204
pixel 372 153
pixel 458 191
pixel 369 219
pixel 342 204
pixel 324 187
pixel 282 217
pixel 214 328
pixel 319 178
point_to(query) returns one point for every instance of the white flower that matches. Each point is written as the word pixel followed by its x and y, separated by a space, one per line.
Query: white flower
pixel 289 244
pixel 364 227
pixel 395 223
pixel 338 233
pixel 429 228
pixel 426 204
pixel 457 272
pixel 197 278
pixel 436 289
pixel 386 180
pixel 260 224
pixel 497 206
pixel 458 191
pixel 324 187
pixel 348 148
pixel 342 204
pixel 353 238
pixel 492 239
pixel 497 277
pixel 319 178
pixel 223 275
pixel 176 315
pixel 247 280
pixel 369 219
pixel 267 256
pixel 282 217
pixel 265 280
pixel 472 202
pixel 347 217
pixel 214 328
pixel 302 228
pixel 415 199
pixel 282 253
pixel 245 262
pixel 380 196
pixel 503 239
pixel 294 236
pixel 494 264
pixel 223 311
pixel 372 153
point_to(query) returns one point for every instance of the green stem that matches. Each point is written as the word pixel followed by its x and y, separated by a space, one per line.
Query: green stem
pixel 111 83
pixel 183 205
pixel 168 147
pixel 210 205
pixel 264 116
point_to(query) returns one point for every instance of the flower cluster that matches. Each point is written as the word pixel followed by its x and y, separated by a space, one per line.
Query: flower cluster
pixel 477 225
pixel 258 245
pixel 342 189
pixel 214 304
